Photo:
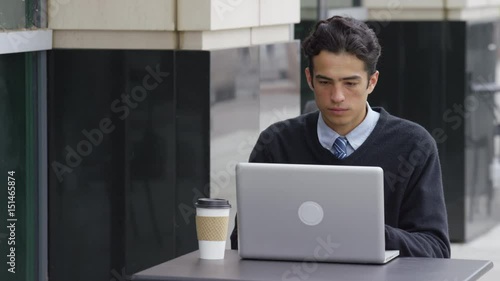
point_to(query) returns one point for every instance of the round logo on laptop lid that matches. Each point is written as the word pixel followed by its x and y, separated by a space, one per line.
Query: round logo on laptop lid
pixel 310 213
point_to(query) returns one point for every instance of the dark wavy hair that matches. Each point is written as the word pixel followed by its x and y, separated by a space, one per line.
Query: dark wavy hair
pixel 343 34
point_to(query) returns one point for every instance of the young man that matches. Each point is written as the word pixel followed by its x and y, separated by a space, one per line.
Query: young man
pixel 343 54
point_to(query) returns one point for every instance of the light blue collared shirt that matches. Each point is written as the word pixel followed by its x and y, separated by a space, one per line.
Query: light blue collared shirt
pixel 355 138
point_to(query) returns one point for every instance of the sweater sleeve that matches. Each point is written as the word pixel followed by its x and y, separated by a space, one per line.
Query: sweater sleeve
pixel 259 155
pixel 423 225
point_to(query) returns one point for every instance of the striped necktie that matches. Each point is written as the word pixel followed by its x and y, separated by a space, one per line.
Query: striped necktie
pixel 340 147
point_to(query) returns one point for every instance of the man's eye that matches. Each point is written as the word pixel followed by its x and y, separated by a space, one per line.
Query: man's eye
pixel 350 84
pixel 323 82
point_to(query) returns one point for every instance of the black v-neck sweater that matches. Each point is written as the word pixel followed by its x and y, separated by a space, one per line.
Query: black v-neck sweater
pixel 415 212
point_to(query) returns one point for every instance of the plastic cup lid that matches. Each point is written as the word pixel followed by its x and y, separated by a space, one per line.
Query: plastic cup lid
pixel 212 203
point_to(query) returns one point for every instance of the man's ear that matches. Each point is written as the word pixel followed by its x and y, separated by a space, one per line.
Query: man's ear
pixel 373 82
pixel 309 78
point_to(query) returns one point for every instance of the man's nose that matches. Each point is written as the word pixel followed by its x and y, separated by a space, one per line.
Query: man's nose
pixel 337 94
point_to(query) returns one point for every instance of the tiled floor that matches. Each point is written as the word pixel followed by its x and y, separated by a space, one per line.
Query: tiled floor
pixel 485 247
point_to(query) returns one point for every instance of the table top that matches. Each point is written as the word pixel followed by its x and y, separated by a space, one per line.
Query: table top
pixel 190 267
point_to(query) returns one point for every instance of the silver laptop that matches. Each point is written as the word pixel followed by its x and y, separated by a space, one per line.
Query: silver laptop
pixel 311 213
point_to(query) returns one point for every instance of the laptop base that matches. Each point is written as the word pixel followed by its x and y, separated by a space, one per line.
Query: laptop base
pixel 390 255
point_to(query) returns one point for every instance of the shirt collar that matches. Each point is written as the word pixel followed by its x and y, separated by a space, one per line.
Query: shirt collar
pixel 356 137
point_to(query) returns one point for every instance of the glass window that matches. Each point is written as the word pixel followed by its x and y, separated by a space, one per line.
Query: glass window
pixel 310 10
pixel 12 14
pixel 111 148
pixel 17 14
pixel 18 150
pixel 334 4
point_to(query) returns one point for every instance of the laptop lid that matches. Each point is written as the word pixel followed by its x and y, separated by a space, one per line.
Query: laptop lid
pixel 310 212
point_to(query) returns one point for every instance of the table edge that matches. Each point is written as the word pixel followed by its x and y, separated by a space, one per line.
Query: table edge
pixel 482 271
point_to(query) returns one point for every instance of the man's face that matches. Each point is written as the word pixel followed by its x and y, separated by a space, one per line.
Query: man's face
pixel 341 87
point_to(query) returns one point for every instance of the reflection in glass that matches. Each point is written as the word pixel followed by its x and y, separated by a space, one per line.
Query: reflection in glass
pixel 20 14
pixel 251 88
pixel 12 14
pixel 495 165
pixel 279 83
pixel 481 130
pixel 18 150
pixel 309 8
pixel 111 163
pixel 234 118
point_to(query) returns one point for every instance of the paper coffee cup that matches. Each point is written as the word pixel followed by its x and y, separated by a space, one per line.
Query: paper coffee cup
pixel 212 217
